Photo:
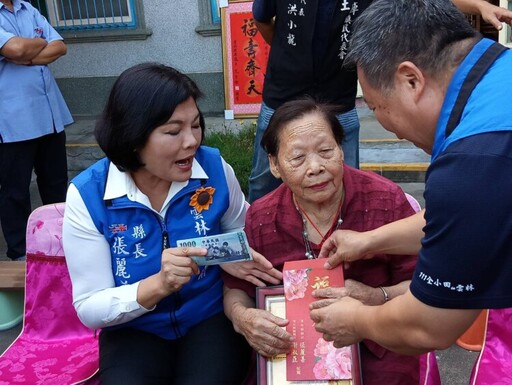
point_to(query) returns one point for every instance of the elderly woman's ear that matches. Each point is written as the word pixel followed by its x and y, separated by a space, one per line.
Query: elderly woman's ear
pixel 273 166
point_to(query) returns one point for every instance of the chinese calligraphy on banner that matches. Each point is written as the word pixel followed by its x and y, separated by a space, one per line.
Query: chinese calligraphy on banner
pixel 245 55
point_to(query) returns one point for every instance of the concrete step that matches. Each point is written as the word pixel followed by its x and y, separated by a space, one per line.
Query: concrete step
pixel 398 160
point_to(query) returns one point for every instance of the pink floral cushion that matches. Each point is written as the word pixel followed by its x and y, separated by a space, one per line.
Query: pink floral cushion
pixel 54 347
pixel 494 364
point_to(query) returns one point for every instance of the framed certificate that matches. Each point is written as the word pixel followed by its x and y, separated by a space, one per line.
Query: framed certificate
pixel 273 371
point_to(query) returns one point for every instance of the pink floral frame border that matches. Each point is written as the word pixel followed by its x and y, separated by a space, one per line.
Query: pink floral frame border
pixel 265 296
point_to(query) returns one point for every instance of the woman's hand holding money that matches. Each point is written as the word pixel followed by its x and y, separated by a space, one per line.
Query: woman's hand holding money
pixel 177 267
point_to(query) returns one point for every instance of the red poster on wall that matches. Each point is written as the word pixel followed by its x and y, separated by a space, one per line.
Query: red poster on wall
pixel 245 56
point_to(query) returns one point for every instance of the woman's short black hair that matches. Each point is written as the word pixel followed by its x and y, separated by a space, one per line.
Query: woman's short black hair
pixel 293 110
pixel 142 98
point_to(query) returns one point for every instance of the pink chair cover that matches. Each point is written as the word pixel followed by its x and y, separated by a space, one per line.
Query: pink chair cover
pixel 429 371
pixel 413 202
pixel 54 347
pixel 494 364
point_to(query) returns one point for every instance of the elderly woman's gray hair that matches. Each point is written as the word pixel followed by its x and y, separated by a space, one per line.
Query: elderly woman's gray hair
pixel 295 109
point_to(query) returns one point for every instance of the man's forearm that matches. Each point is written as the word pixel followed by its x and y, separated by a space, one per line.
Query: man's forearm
pixel 489 12
pixel 408 326
pixel 468 6
pixel 50 53
pixel 21 49
pixel 402 237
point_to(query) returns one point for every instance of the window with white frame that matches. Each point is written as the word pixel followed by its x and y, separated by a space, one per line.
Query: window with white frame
pixel 110 19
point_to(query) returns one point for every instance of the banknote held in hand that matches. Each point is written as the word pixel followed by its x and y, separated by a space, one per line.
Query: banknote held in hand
pixel 222 248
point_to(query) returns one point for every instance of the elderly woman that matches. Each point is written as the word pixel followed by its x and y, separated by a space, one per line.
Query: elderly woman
pixel 160 315
pixel 319 195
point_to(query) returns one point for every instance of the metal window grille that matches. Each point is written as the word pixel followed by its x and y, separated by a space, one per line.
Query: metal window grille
pixel 88 14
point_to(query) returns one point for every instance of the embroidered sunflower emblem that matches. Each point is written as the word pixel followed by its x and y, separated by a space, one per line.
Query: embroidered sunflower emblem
pixel 202 198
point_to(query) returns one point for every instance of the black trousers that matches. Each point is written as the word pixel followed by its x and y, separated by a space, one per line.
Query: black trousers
pixel 211 353
pixel 46 156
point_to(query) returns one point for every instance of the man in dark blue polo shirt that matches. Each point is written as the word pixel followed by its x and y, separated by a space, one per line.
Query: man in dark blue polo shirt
pixel 436 82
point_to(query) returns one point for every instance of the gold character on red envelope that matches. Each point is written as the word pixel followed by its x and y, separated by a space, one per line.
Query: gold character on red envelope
pixel 321 282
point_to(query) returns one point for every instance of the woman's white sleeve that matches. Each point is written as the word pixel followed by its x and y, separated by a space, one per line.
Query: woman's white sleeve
pixel 96 299
pixel 234 218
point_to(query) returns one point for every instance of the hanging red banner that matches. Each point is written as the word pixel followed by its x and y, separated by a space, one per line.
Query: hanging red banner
pixel 245 55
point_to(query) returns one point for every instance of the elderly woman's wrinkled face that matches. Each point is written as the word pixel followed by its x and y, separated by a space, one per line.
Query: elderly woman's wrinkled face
pixel 309 160
pixel 170 149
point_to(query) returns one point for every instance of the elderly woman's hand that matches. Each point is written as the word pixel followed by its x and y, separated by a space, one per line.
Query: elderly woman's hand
pixel 366 294
pixel 264 331
pixel 256 271
pixel 345 246
pixel 178 267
